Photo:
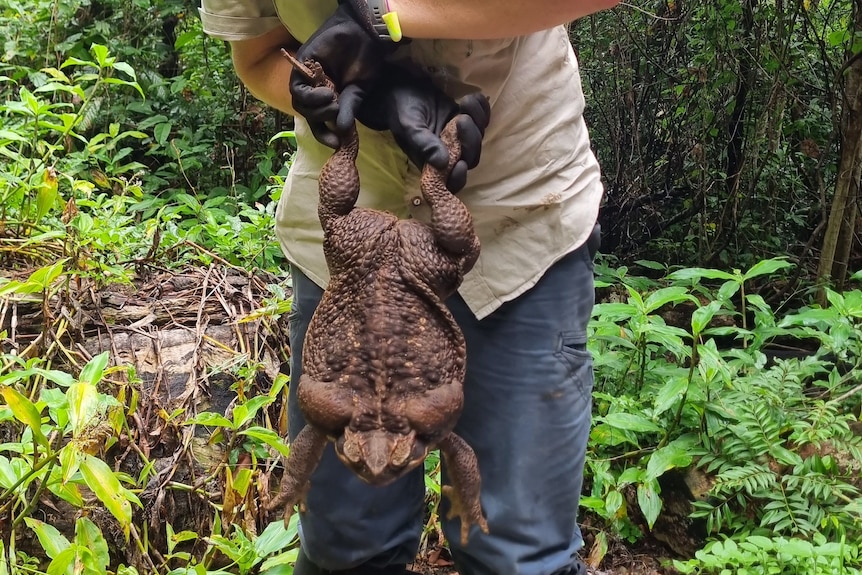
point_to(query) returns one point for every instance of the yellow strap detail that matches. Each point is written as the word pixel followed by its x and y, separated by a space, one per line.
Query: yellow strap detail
pixel 393 26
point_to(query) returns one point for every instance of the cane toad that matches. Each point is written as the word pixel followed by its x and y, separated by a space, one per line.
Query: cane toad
pixel 384 360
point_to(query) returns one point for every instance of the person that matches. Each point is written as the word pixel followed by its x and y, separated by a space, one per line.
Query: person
pixel 534 191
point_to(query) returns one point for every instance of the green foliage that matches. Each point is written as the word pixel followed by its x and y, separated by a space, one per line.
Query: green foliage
pixel 120 140
pixel 774 437
pixel 696 117
pixel 62 446
pixel 756 554
pixel 80 421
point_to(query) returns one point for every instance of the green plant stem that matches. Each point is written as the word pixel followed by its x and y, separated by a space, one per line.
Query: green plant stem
pixel 191 489
pixel 678 416
pixel 629 454
pixel 145 552
pixel 36 496
pixel 26 478
pixel 643 352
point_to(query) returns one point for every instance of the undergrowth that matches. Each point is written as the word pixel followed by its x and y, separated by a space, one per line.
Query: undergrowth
pixel 693 376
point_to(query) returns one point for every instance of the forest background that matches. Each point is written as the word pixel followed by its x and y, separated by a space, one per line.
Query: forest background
pixel 134 168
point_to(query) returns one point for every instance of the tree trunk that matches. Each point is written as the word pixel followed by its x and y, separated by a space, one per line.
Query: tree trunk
pixel 837 243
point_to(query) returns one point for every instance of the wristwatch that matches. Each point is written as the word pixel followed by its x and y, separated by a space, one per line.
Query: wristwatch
pixel 379 20
pixel 385 22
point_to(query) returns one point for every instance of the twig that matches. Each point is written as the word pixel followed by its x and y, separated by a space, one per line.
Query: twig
pixel 650 14
pixel 846 395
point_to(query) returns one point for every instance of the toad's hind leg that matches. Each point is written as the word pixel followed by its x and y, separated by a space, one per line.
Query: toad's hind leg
pixel 463 494
pixel 451 221
pixel 328 405
pixel 305 453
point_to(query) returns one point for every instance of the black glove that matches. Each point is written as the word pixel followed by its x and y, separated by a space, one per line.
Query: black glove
pixel 352 57
pixel 416 111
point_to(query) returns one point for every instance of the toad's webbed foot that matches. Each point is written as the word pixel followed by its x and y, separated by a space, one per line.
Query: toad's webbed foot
pixel 463 494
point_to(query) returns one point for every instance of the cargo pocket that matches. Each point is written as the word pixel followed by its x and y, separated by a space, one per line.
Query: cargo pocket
pixel 572 350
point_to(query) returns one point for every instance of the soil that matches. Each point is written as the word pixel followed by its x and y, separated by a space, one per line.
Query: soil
pixel 643 558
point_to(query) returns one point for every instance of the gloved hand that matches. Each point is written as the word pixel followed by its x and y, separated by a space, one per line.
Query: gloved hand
pixel 352 57
pixel 415 111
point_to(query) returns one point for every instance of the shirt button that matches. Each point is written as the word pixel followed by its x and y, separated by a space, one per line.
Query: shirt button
pixel 416 201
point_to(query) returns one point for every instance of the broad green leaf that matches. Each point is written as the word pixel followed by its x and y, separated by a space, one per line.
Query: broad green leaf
pixel 46 197
pixel 280 564
pixel 275 537
pixel 701 317
pixel 290 135
pixel 631 422
pixel 613 503
pixel 766 267
pixel 667 458
pixel 68 492
pixel 211 419
pixel 664 296
pixel 649 264
pixel 797 548
pixel 105 485
pixel 615 311
pixel 61 378
pixel 838 37
pixel 281 381
pixel 162 132
pixel 269 437
pixel 95 369
pixel 629 476
pixel 8 477
pixel 69 461
pixel 245 412
pixel 670 393
pixel 89 536
pixel 175 539
pixel 649 501
pixel 728 289
pixel 12 136
pixel 699 273
pixel 711 364
pixel 186 37
pixel 241 481
pixel 64 562
pixel 25 412
pixel 604 434
pixel 44 277
pixel 83 406
pixel 100 52
pixel 125 68
pixel 50 538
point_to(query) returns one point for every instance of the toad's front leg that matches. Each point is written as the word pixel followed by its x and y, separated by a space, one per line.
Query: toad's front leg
pixel 463 494
pixel 339 178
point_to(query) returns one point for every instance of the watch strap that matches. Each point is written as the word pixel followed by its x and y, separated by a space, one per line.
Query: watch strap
pixel 379 20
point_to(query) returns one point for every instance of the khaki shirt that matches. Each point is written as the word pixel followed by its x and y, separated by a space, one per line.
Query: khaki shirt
pixel 536 192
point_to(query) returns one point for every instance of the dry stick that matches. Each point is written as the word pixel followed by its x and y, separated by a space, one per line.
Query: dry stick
pixel 846 395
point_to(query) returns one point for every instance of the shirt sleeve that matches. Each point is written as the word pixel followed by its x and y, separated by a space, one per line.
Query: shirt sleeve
pixel 238 20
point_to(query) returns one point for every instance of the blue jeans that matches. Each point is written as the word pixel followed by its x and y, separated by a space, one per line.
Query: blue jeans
pixel 527 416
